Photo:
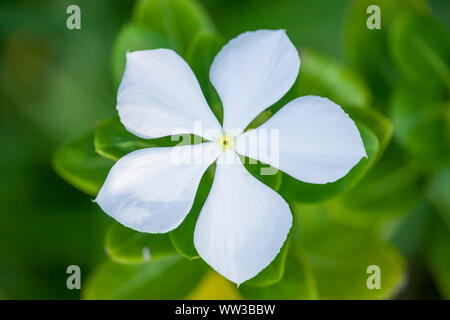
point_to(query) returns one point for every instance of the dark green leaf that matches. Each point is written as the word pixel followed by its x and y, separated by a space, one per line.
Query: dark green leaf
pixel 420 125
pixel 261 118
pixel 406 232
pixel 437 252
pixel 420 47
pixel 380 125
pixel 315 24
pixel 391 188
pixel 268 175
pixel 368 50
pixel 323 77
pixel 77 162
pixel 128 246
pixel 439 192
pixel 177 20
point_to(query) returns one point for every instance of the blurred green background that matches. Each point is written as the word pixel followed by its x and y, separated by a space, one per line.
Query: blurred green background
pixel 392 210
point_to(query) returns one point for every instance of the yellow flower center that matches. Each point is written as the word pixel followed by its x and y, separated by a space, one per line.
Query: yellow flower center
pixel 225 142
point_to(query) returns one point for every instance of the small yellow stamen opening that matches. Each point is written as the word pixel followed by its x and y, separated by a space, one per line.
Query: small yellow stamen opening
pixel 225 142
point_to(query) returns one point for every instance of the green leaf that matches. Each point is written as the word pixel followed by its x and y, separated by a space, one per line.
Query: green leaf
pixel 391 188
pixel 125 245
pixel 339 257
pixel 420 47
pixel 380 125
pixel 177 20
pixel 420 125
pixel 303 20
pixel 270 176
pixel 439 192
pixel 183 237
pixel 113 141
pixel 200 55
pixel 77 163
pixel 264 116
pixel 367 49
pixel 406 232
pixel 171 277
pixel 293 189
pixel 297 283
pixel 437 254
pixel 323 77
pixel 133 38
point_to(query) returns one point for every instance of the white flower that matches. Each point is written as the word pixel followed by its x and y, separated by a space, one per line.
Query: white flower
pixel 243 223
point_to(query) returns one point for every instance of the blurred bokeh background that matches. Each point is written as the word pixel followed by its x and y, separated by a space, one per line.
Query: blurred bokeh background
pixel 57 83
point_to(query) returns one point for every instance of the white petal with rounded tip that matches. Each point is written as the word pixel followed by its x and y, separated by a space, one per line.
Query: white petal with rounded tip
pixel 152 190
pixel 317 141
pixel 160 96
pixel 243 223
pixel 252 72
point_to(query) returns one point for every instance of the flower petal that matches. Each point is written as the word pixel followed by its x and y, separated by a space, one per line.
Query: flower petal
pixel 243 223
pixel 152 190
pixel 252 72
pixel 160 96
pixel 317 141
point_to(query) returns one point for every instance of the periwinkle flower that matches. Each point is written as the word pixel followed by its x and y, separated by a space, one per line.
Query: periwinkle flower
pixel 243 223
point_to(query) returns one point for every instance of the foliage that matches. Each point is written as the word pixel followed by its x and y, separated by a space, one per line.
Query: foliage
pixel 391 210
